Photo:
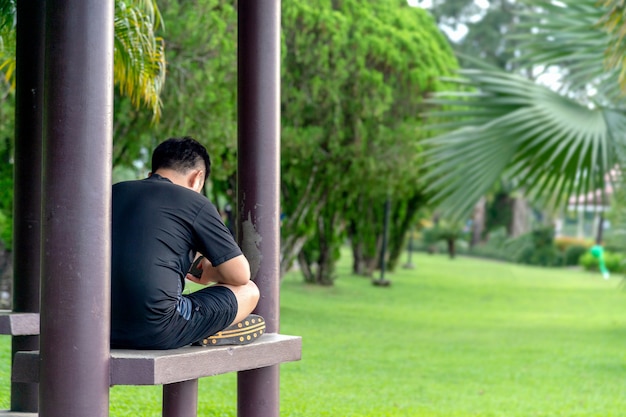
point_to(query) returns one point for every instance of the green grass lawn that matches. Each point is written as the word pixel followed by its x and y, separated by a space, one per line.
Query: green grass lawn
pixel 454 338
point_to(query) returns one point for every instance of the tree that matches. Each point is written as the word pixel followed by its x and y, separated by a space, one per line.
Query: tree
pixel 552 144
pixel 354 78
pixel 139 69
pixel 139 73
pixel 199 98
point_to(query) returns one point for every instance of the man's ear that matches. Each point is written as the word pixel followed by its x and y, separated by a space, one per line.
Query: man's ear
pixel 196 180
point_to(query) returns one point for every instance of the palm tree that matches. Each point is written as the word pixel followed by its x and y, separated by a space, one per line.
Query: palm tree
pixel 139 57
pixel 552 144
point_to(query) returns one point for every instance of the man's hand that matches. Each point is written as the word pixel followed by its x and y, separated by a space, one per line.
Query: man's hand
pixel 207 273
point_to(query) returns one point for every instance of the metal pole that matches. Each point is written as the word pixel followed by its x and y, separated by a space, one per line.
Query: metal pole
pixel 75 292
pixel 27 182
pixel 258 182
pixel 409 263
pixel 180 399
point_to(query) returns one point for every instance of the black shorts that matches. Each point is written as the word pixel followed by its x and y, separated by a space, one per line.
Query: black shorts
pixel 214 309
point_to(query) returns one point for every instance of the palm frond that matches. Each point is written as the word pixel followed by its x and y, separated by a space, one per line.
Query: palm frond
pixel 7 39
pixel 569 34
pixel 139 56
pixel 552 145
pixel 614 22
pixel 139 69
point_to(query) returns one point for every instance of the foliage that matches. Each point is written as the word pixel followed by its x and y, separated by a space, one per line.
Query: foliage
pixel 615 262
pixel 522 131
pixel 534 248
pixel 7 40
pixel 616 236
pixel 572 248
pixel 488 28
pixel 573 253
pixel 444 231
pixel 199 98
pixel 139 69
pixel 6 195
pixel 562 243
pixel 7 128
pixel 499 212
pixel 139 72
pixel 495 248
pixel 139 56
pixel 549 144
pixel 354 78
pixel 614 23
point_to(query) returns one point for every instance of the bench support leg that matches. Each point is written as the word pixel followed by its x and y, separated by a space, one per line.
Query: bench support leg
pixel 258 392
pixel 180 399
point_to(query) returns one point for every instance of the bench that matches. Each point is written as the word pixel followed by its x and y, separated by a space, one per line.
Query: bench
pixel 19 324
pixel 177 370
pixel 160 367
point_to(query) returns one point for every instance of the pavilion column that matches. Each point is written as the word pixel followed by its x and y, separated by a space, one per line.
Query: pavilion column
pixel 258 182
pixel 27 182
pixel 75 291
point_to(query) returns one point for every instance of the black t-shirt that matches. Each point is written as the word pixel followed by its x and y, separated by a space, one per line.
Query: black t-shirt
pixel 157 228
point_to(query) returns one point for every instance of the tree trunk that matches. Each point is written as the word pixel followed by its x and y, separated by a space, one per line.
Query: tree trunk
pixel 289 250
pixel 520 217
pixel 451 247
pixel 325 263
pixel 600 231
pixel 305 268
pixel 478 222
pixel 362 264
pixel 404 214
pixel 365 237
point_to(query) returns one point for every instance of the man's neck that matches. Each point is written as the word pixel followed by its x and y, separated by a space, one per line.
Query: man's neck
pixel 172 175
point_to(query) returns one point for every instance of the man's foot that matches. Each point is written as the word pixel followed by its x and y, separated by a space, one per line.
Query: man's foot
pixel 242 333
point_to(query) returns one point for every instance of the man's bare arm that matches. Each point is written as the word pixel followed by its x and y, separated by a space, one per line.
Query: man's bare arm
pixel 235 271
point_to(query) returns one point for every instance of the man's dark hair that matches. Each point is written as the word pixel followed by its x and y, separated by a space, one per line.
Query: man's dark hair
pixel 181 154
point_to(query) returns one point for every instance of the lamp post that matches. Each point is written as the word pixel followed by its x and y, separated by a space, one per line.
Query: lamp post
pixel 409 264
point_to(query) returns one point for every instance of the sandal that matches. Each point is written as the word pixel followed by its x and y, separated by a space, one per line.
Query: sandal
pixel 242 333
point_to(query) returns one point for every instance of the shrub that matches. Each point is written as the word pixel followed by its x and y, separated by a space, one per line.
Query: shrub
pixel 494 248
pixel 614 262
pixel 542 256
pixel 536 248
pixel 563 243
pixel 572 254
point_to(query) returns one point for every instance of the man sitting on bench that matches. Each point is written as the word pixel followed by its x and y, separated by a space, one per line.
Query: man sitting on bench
pixel 161 224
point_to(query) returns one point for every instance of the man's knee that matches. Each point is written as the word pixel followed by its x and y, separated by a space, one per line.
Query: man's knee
pixel 247 298
pixel 253 292
pixel 247 295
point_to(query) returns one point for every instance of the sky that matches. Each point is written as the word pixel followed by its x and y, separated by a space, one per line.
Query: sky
pixel 550 77
pixel 457 33
pixel 427 3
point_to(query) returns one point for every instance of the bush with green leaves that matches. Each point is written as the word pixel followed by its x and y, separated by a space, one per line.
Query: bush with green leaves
pixel 534 248
pixel 573 253
pixel 615 262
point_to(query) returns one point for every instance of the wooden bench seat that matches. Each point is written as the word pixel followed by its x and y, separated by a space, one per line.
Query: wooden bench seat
pixel 159 367
pixel 19 324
